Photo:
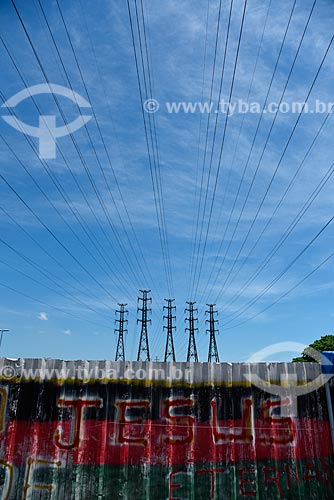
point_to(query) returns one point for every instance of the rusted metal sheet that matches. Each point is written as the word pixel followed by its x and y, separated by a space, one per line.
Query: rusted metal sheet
pixel 174 431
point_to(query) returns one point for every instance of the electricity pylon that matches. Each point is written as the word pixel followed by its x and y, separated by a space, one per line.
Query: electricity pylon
pixel 192 350
pixel 169 351
pixel 120 352
pixel 143 349
pixel 213 356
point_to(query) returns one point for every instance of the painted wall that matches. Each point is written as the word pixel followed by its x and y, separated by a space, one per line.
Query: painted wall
pixel 135 431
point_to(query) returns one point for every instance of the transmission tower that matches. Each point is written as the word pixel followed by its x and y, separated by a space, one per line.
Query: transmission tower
pixel 213 356
pixel 169 352
pixel 143 349
pixel 192 350
pixel 120 354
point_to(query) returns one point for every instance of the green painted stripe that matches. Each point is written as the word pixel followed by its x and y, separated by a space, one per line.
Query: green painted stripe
pixel 268 480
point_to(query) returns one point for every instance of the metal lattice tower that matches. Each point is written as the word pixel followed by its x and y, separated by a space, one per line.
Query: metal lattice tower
pixel 169 351
pixel 213 356
pixel 192 350
pixel 143 349
pixel 120 352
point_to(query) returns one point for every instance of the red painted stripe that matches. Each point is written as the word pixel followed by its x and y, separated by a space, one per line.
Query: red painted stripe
pixel 98 442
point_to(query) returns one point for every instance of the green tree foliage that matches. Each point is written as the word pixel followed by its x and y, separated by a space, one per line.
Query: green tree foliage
pixel 325 343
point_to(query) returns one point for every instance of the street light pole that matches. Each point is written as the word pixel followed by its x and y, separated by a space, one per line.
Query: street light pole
pixel 2 331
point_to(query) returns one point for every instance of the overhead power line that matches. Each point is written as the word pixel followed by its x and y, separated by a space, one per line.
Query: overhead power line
pixel 305 101
pixel 61 190
pixel 151 145
pixel 62 291
pixel 59 309
pixel 236 148
pixel 222 144
pixel 194 254
pixel 104 208
pixel 54 236
pixel 217 273
pixel 251 302
pixel 281 297
pixel 292 225
pixel 138 261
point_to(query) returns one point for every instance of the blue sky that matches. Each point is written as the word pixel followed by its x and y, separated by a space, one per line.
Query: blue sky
pixel 73 316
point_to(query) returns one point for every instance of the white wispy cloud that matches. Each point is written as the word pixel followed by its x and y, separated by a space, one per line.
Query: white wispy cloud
pixel 43 316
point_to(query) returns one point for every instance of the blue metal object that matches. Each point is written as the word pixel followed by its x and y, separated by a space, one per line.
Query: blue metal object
pixel 327 362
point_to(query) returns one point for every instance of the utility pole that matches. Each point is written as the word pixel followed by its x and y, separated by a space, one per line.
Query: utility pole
pixel 169 351
pixel 120 352
pixel 192 350
pixel 2 331
pixel 213 356
pixel 143 349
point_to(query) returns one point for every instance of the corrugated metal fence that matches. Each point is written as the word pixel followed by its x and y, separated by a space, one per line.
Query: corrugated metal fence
pixel 163 431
